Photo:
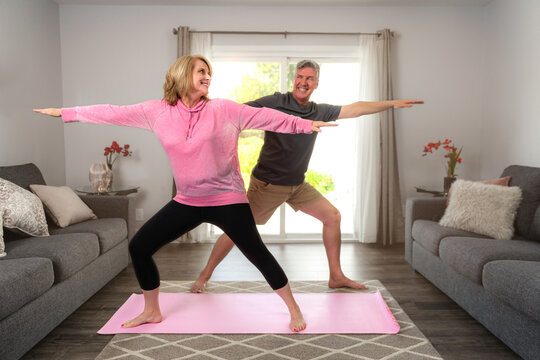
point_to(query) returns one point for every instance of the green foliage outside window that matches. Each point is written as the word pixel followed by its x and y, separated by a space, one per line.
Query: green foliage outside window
pixel 290 76
pixel 248 153
pixel 321 182
pixel 264 82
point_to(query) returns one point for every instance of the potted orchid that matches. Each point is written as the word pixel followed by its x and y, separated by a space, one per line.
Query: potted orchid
pixel 452 154
pixel 114 151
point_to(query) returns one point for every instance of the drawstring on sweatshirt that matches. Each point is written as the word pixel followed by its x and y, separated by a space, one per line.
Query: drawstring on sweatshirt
pixel 192 122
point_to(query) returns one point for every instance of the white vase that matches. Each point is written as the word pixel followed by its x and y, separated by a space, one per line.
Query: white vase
pixel 100 177
pixel 110 177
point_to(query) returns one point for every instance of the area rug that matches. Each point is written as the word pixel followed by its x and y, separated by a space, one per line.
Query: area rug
pixel 409 343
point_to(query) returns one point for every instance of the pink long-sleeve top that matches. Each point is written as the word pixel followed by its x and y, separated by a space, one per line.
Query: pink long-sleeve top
pixel 201 142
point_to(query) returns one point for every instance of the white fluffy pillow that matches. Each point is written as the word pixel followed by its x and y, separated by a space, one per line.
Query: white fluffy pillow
pixel 63 205
pixel 482 208
pixel 21 210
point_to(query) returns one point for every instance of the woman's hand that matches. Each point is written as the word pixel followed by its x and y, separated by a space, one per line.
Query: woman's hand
pixel 317 125
pixel 49 111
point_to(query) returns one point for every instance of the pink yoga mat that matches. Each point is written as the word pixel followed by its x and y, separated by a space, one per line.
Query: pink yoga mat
pixel 261 313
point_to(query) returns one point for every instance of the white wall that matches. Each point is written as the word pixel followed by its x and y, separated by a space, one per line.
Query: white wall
pixel 511 121
pixel 119 55
pixel 30 77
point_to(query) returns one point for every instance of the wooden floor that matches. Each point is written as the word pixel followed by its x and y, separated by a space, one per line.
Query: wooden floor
pixel 451 330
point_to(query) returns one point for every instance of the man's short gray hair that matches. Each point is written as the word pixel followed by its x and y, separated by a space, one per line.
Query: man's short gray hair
pixel 309 64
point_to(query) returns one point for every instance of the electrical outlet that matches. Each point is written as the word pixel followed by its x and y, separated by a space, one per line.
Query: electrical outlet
pixel 139 215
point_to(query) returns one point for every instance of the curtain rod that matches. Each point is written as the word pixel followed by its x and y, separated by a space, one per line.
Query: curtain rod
pixel 283 33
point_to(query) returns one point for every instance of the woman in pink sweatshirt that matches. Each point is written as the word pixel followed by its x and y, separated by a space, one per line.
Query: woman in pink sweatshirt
pixel 200 137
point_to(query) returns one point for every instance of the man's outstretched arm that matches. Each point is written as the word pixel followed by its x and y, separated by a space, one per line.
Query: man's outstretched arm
pixel 360 108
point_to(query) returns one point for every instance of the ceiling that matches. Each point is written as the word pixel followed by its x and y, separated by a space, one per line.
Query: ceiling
pixel 282 2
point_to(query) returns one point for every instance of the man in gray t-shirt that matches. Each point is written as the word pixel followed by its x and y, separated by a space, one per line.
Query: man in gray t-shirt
pixel 278 176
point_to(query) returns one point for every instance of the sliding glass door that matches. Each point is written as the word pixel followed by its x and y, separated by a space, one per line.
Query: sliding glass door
pixel 330 169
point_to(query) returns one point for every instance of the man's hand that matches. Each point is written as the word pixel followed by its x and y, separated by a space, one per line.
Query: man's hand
pixel 49 111
pixel 405 103
pixel 361 108
pixel 317 125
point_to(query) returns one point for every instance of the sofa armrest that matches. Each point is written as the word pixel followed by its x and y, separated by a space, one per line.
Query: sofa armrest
pixel 420 208
pixel 113 206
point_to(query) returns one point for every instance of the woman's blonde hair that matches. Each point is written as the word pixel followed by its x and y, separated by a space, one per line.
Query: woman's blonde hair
pixel 179 78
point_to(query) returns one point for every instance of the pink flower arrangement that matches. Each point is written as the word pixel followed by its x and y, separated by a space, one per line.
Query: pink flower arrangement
pixel 453 154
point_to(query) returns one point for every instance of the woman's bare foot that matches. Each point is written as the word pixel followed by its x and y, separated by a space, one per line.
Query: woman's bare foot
pixel 344 281
pixel 151 312
pixel 297 320
pixel 145 317
pixel 297 323
pixel 199 285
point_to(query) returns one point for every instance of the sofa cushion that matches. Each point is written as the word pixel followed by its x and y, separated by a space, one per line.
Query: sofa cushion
pixel 22 175
pixel 516 283
pixel 23 280
pixel 110 231
pixel 528 179
pixel 68 252
pixel 468 256
pixel 429 234
pixel 534 230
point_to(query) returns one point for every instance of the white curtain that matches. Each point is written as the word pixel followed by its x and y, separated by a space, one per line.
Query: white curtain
pixel 201 44
pixel 198 44
pixel 377 209
pixel 367 148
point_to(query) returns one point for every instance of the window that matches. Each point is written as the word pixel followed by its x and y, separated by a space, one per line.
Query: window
pixel 243 80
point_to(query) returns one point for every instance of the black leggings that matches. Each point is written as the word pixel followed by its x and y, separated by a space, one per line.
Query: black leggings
pixel 175 219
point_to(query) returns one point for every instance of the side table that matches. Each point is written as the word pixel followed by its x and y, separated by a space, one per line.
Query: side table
pixel 115 190
pixel 436 193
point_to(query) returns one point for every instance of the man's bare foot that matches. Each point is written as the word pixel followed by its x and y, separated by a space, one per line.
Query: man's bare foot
pixel 297 323
pixel 345 282
pixel 143 319
pixel 198 286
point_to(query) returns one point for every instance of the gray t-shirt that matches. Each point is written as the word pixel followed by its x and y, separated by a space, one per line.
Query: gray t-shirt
pixel 284 158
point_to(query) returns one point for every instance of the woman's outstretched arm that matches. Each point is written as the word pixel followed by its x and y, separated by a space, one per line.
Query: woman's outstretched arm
pixel 248 117
pixel 137 115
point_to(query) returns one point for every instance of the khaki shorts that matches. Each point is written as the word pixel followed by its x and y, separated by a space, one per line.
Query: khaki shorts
pixel 265 198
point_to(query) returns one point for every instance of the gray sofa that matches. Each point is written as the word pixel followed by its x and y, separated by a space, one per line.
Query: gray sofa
pixel 45 279
pixel 496 281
